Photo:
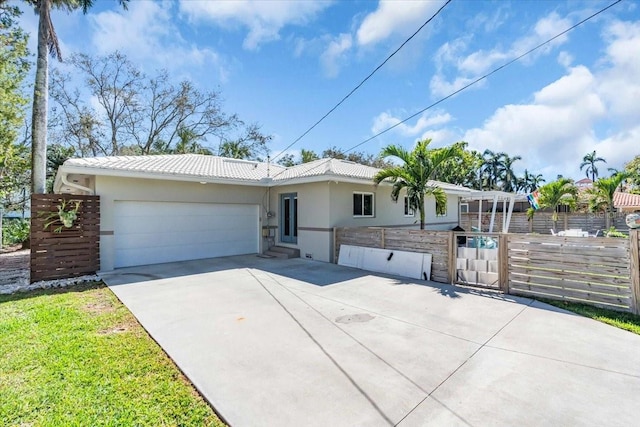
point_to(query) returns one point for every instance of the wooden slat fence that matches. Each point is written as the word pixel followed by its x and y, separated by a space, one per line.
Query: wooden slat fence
pixel 71 252
pixel 436 243
pixel 601 271
pixel 542 222
pixel 590 270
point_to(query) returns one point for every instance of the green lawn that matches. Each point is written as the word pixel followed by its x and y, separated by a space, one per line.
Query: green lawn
pixel 626 321
pixel 77 357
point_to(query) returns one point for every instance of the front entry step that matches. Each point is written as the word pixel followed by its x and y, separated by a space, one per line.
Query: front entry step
pixel 282 252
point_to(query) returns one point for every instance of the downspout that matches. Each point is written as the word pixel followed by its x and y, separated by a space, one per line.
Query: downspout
pixel 63 176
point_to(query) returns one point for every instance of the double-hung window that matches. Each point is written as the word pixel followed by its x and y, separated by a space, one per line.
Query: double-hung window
pixel 363 204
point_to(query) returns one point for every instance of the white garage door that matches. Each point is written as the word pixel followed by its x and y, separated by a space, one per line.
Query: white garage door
pixel 157 232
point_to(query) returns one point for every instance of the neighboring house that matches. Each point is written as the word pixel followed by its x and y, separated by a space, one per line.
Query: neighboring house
pixel 626 202
pixel 166 208
pixel 584 183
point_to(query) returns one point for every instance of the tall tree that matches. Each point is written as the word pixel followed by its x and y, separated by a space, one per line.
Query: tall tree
pixel 47 44
pixel 508 178
pixel 462 170
pixel 529 182
pixel 632 168
pixel 419 168
pixel 307 156
pixel 13 69
pixel 590 160
pixel 490 170
pixel 561 192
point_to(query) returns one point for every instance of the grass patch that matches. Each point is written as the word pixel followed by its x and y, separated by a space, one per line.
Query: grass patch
pixel 77 356
pixel 627 321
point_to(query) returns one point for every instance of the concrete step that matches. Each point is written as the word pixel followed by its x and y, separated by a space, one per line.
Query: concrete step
pixel 271 254
pixel 282 252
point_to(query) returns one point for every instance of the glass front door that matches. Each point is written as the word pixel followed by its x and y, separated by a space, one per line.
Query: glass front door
pixel 289 218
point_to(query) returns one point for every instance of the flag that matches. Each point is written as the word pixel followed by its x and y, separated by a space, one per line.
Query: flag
pixel 533 200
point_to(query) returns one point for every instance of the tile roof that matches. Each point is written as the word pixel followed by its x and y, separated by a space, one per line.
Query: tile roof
pixel 212 168
pixel 190 165
pixel 623 200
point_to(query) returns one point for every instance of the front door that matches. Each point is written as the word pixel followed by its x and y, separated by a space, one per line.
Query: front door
pixel 289 218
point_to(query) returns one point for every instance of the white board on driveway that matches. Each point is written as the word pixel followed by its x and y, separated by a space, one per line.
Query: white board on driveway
pixel 389 261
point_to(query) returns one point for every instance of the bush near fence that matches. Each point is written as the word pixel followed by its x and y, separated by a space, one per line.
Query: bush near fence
pixel 600 271
pixel 71 252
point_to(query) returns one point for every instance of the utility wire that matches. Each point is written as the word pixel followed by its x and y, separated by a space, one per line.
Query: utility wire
pixel 362 82
pixel 485 76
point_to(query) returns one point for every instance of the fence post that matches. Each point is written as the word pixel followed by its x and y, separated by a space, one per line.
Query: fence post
pixel 503 262
pixel 634 243
pixel 382 239
pixel 335 245
pixel 451 259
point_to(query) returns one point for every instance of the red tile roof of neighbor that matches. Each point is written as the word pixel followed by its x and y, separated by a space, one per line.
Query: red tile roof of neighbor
pixel 621 200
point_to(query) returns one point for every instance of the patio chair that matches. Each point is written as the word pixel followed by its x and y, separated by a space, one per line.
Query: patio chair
pixel 553 232
pixel 595 234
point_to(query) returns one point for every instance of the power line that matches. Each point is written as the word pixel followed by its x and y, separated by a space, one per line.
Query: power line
pixel 506 64
pixel 363 81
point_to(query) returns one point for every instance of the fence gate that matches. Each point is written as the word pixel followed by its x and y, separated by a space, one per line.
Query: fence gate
pixel 477 258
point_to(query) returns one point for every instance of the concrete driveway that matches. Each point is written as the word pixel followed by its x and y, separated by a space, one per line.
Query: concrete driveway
pixel 301 343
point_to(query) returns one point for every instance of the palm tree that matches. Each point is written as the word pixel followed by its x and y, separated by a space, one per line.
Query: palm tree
pixel 47 43
pixel 602 192
pixel 490 169
pixel 561 192
pixel 530 182
pixel 506 174
pixel 590 160
pixel 415 175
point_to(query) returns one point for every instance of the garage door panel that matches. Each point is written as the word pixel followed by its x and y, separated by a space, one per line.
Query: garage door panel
pixel 156 232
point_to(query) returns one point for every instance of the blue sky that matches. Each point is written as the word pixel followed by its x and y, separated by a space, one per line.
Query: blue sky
pixel 284 64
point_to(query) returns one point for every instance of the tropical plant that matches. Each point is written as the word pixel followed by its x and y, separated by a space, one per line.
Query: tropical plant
pixel 612 232
pixel 590 160
pixel 14 65
pixel 561 192
pixel 307 156
pixel 508 179
pixel 47 44
pixel 416 174
pixel 529 182
pixel 602 193
pixel 15 231
pixel 462 170
pixel 490 170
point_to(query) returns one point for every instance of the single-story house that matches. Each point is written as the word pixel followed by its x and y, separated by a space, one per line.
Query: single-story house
pixel 164 208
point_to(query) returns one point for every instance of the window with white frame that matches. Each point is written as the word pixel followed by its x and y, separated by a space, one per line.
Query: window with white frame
pixel 464 207
pixel 363 204
pixel 408 210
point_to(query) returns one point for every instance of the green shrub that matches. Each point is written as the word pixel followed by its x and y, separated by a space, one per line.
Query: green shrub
pixel 615 233
pixel 15 231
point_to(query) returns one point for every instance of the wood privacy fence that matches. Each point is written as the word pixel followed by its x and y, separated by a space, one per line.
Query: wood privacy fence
pixel 435 243
pixel 600 271
pixel 542 222
pixel 59 252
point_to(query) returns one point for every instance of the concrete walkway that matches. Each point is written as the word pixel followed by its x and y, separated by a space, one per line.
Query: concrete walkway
pixel 301 343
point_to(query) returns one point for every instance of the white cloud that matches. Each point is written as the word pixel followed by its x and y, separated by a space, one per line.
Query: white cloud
pixel 335 54
pixel 473 65
pixel 385 120
pixel 395 17
pixel 620 84
pixel 146 33
pixel 558 123
pixel 263 19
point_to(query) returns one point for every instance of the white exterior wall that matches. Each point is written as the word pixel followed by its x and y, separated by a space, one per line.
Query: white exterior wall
pixel 315 238
pixel 387 213
pixel 111 189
